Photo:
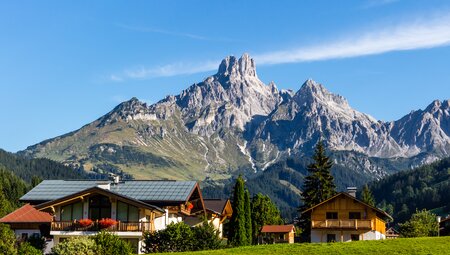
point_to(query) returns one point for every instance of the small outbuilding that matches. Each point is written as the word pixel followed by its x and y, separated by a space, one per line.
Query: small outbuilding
pixel 392 233
pixel 27 221
pixel 277 234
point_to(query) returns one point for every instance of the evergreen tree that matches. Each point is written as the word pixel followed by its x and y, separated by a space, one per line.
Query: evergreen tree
pixel 35 180
pixel 318 185
pixel 264 212
pixel 238 232
pixel 367 197
pixel 248 217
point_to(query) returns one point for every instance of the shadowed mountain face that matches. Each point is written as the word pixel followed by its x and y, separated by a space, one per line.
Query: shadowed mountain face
pixel 232 122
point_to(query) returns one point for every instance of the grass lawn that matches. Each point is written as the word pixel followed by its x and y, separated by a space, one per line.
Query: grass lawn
pixel 426 245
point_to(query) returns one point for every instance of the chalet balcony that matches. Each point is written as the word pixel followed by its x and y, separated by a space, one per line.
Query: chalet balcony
pixel 342 224
pixel 119 227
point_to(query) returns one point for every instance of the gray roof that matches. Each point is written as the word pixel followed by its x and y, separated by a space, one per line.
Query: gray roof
pixel 140 190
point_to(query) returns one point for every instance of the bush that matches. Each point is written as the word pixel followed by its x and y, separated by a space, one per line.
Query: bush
pixel 107 243
pixel 180 237
pixel 25 248
pixel 37 242
pixel 206 237
pixel 7 240
pixel 422 223
pixel 75 246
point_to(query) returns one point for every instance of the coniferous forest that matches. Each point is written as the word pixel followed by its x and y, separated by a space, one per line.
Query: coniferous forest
pixel 426 187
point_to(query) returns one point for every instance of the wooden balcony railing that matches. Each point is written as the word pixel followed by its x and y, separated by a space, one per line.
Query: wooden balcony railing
pixel 120 226
pixel 342 224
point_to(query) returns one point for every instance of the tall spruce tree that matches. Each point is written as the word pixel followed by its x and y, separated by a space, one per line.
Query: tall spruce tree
pixel 367 197
pixel 238 232
pixel 248 217
pixel 317 186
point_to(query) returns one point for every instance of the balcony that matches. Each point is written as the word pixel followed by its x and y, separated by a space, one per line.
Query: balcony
pixel 342 224
pixel 119 227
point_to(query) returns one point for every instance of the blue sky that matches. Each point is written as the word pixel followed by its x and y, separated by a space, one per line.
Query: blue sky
pixel 65 63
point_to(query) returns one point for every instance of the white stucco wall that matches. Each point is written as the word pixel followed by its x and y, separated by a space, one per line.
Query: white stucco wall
pixel 318 236
pixel 30 232
pixel 217 225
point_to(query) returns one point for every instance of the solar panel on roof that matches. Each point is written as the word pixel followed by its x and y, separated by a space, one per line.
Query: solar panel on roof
pixel 142 190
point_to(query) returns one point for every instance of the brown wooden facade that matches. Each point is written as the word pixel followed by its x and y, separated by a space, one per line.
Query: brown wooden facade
pixel 347 219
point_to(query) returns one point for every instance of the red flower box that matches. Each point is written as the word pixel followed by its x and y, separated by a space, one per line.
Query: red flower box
pixel 84 223
pixel 106 223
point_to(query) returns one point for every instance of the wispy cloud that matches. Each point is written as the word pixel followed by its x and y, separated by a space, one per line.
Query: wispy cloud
pixel 179 68
pixel 173 33
pixel 377 3
pixel 415 35
pixel 419 34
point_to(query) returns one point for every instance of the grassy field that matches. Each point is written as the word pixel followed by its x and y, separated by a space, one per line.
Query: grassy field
pixel 433 245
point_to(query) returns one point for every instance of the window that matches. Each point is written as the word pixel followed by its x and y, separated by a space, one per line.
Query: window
pixel 72 212
pixel 354 215
pixel 332 215
pixel 127 213
pixel 354 237
pixel 99 207
pixel 331 238
pixel 24 236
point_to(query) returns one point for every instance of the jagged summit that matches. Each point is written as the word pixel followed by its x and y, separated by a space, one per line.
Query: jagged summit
pixel 232 120
pixel 437 105
pixel 231 66
pixel 313 92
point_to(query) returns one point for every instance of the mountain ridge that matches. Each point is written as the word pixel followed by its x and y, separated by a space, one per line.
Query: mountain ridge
pixel 232 122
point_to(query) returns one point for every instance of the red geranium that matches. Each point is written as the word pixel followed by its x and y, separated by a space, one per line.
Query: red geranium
pixel 106 223
pixel 84 222
pixel 190 205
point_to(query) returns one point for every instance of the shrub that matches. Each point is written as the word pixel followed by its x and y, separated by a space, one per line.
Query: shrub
pixel 176 237
pixel 25 248
pixel 7 240
pixel 422 223
pixel 37 242
pixel 110 244
pixel 181 237
pixel 106 223
pixel 206 237
pixel 75 245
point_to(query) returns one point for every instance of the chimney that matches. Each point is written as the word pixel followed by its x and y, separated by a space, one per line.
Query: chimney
pixel 114 178
pixel 352 191
pixel 104 185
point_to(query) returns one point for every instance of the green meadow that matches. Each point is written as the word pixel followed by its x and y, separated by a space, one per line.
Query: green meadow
pixel 426 245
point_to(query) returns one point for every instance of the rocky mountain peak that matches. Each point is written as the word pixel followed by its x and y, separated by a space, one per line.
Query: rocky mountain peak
pixel 313 92
pixel 242 67
pixel 437 105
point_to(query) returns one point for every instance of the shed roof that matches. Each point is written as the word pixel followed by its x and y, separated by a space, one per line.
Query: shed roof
pixel 277 228
pixel 27 214
pixel 155 191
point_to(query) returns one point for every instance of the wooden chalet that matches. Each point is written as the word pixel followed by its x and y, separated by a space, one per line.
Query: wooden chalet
pixel 125 207
pixel 28 221
pixel 392 233
pixel 218 211
pixel 343 218
pixel 271 234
